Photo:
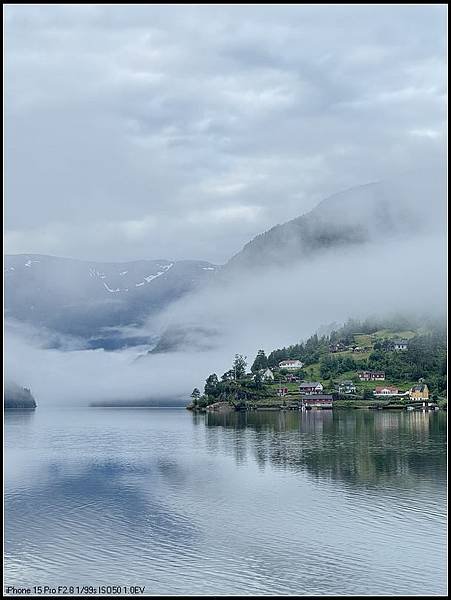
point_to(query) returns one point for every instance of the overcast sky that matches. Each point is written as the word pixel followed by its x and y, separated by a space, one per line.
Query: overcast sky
pixel 182 132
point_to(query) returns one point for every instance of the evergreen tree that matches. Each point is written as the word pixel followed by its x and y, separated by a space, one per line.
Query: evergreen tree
pixel 228 375
pixel 239 366
pixel 260 362
pixel 195 395
pixel 258 381
pixel 211 385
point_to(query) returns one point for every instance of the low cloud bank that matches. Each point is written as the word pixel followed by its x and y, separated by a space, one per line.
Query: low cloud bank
pixel 266 309
pixel 278 306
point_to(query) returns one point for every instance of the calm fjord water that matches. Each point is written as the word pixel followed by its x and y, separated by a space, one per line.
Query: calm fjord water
pixel 260 503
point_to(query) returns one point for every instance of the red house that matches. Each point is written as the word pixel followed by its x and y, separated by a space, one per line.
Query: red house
pixel 317 400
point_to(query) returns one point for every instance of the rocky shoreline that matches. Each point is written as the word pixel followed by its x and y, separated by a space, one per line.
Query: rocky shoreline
pixel 227 407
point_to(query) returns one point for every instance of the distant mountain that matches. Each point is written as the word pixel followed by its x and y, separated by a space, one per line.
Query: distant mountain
pixel 91 299
pixel 402 209
pixel 405 206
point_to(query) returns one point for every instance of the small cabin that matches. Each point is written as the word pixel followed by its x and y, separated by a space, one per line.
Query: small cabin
pixel 291 365
pixel 346 387
pixel 371 375
pixel 400 345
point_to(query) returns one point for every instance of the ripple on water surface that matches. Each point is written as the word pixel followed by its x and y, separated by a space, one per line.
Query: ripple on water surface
pixel 324 503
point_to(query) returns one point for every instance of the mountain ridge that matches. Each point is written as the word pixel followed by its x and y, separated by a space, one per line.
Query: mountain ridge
pixel 85 298
pixel 350 217
pixel 99 296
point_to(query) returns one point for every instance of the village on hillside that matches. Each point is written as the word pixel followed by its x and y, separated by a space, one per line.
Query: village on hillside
pixel 381 369
pixel 313 394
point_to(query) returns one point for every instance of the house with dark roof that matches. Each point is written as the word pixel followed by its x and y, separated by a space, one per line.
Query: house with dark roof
pixel 338 347
pixel 317 401
pixel 400 345
pixel 419 392
pixel 371 375
pixel 311 387
pixel 346 387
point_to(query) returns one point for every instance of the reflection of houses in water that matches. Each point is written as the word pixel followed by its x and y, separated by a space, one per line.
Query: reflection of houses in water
pixel 387 420
pixel 314 421
pixel 391 420
pixel 267 421
pixel 355 447
pixel 419 420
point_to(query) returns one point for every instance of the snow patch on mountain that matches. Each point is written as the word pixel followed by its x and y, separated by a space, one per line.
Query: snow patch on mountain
pixel 110 290
pixel 150 278
pixel 95 273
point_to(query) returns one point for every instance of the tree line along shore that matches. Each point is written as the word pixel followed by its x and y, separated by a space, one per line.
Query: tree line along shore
pixel 370 364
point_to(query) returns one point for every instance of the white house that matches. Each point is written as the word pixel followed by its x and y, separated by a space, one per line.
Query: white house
pixel 291 365
pixel 265 374
pixel 400 344
pixel 389 390
pixel 311 387
pixel 346 387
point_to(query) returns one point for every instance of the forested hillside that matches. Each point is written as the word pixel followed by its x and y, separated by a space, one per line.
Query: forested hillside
pixel 369 345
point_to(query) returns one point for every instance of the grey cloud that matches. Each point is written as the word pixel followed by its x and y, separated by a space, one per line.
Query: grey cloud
pixel 119 114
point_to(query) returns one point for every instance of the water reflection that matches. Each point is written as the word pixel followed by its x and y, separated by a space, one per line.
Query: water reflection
pixel 245 503
pixel 18 417
pixel 91 513
pixel 356 447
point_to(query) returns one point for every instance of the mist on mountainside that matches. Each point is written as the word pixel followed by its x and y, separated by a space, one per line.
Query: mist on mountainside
pixel 248 313
pixel 93 301
pixel 284 304
pixel 284 287
pixel 374 249
pixel 405 207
